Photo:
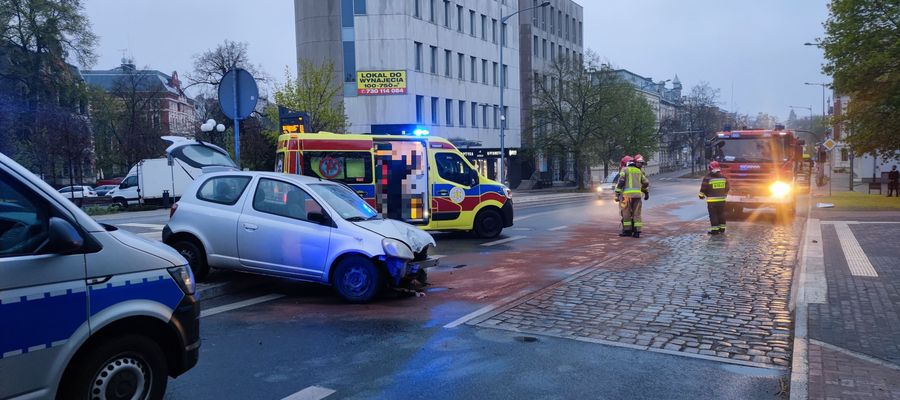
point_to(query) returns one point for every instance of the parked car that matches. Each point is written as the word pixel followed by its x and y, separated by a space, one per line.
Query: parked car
pixel 296 227
pixel 77 192
pixel 88 311
pixel 103 190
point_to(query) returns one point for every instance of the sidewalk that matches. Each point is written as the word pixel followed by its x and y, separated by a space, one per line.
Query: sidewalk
pixel 847 333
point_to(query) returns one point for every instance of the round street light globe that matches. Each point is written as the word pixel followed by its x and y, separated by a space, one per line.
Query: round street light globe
pixel 211 122
pixel 206 127
pixel 220 128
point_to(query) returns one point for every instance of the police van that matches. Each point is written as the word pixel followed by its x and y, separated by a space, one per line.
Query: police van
pixel 86 311
pixel 419 179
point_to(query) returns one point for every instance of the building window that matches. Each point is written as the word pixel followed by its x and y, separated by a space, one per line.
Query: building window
pixel 559 24
pixel 503 35
pixel 459 18
pixel 418 56
pixel 536 82
pixel 349 61
pixel 552 17
pixel 559 51
pixel 417 8
pixel 474 114
pixel 433 59
pixel 431 10
pixel 472 22
pixel 447 61
pixel 434 110
pixel 567 27
pixel 462 113
pixel 495 74
pixel 359 7
pixel 544 18
pixel 505 117
pixel 420 100
pixel 496 117
pixel 503 78
pixel 347 13
pixel 446 13
pixel 544 48
pixel 483 27
pixel 474 69
pixel 484 71
pixel 534 16
pixel 484 116
pixel 448 111
pixel 845 155
pixel 461 68
pixel 493 30
pixel 580 32
pixel 536 46
pixel 552 51
pixel 574 31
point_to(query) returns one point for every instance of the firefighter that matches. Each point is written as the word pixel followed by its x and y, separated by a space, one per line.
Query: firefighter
pixel 714 189
pixel 622 165
pixel 632 184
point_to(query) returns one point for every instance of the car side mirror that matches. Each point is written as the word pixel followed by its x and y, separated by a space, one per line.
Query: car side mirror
pixel 473 177
pixel 707 152
pixel 63 238
pixel 318 217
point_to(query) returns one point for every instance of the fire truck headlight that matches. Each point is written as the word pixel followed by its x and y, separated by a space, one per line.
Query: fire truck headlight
pixel 780 189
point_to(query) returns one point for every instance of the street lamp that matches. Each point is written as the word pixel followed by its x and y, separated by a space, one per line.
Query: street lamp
pixel 211 125
pixel 823 85
pixel 503 80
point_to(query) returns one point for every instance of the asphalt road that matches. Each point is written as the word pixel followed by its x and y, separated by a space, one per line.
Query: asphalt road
pixel 287 339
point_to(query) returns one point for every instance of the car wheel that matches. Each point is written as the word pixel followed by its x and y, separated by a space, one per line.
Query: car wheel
pixel 488 224
pixel 122 203
pixel 127 367
pixel 357 279
pixel 195 256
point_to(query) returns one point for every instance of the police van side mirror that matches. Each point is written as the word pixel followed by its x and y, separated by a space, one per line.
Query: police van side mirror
pixel 62 238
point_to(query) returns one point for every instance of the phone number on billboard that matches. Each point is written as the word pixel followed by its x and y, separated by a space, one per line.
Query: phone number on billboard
pixel 364 92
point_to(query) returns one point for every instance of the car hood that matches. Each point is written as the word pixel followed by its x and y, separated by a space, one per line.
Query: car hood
pixel 414 237
pixel 150 247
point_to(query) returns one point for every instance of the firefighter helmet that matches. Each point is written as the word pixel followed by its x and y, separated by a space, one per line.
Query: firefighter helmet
pixel 714 166
pixel 625 161
pixel 638 158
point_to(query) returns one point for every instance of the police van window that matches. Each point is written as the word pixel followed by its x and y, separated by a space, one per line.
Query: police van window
pixel 283 199
pixel 24 219
pixel 199 156
pixel 346 167
pixel 223 189
pixel 452 168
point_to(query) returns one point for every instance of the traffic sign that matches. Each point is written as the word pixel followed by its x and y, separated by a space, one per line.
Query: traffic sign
pixel 829 144
pixel 238 94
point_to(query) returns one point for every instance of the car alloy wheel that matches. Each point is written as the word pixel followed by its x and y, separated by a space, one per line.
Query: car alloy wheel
pixel 125 377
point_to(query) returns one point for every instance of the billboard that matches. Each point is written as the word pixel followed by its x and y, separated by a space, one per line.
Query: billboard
pixel 369 83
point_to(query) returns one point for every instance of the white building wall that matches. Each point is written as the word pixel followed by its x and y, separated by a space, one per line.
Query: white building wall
pixel 385 40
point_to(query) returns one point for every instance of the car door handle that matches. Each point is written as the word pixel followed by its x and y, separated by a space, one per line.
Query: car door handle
pixel 443 192
pixel 250 227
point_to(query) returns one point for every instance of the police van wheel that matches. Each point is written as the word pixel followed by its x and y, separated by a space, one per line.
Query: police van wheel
pixel 128 367
pixel 357 279
pixel 195 256
pixel 488 224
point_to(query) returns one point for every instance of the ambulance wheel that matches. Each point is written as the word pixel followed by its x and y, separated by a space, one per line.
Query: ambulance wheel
pixel 488 224
pixel 127 367
pixel 357 279
pixel 195 256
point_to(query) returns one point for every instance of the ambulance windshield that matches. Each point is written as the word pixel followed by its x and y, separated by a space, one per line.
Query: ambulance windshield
pixel 347 203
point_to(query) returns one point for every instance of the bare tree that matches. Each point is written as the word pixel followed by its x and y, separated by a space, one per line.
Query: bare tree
pixel 702 117
pixel 211 65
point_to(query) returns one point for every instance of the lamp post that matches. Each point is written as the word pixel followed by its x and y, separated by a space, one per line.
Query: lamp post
pixel 503 80
pixel 211 125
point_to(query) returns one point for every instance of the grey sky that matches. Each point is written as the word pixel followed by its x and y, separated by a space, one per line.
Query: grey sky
pixel 755 44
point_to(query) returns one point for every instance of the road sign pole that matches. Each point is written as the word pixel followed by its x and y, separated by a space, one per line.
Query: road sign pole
pixel 237 125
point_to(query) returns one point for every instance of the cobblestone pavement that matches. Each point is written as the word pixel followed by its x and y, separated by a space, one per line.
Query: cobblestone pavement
pixel 835 375
pixel 684 292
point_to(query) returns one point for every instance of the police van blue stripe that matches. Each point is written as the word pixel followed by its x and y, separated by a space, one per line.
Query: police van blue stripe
pixel 159 288
pixel 37 323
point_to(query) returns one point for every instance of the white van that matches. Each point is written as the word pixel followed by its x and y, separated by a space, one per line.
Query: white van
pixel 86 310
pixel 185 158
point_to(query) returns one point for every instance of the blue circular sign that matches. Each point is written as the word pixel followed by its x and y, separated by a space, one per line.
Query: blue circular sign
pixel 238 94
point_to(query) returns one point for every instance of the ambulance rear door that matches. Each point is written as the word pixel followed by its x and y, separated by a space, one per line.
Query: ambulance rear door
pixel 401 180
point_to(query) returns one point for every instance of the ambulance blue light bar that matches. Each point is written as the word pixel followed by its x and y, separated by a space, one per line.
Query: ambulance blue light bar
pixel 421 132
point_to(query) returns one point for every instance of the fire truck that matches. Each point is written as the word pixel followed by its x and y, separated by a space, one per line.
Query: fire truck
pixel 761 166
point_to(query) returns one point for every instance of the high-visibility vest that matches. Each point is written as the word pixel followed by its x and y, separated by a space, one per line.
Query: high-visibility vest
pixel 633 182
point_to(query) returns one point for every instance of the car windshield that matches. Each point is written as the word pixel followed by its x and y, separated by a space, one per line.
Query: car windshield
pixel 750 150
pixel 199 155
pixel 347 203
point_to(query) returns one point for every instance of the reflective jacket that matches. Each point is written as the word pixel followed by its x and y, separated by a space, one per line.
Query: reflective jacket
pixel 632 182
pixel 714 187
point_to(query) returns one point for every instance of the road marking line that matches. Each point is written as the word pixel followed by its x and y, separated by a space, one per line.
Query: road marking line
pixel 501 241
pixel 559 228
pixel 311 393
pixel 852 353
pixel 139 225
pixel 815 285
pixel 240 304
pixel 481 311
pixel 856 258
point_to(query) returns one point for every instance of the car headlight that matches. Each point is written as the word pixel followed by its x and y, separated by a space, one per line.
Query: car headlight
pixel 599 189
pixel 507 192
pixel 184 277
pixel 780 189
pixel 396 248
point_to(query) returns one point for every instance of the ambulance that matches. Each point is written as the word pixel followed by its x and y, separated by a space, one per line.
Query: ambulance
pixel 418 179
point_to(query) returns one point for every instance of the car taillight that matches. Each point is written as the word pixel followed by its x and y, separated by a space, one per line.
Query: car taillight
pixel 173 209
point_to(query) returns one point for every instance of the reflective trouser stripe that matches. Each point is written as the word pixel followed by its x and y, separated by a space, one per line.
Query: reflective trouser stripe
pixel 714 199
pixel 626 223
pixel 633 191
pixel 631 213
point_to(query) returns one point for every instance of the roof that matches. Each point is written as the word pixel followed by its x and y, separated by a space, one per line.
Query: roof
pixel 148 80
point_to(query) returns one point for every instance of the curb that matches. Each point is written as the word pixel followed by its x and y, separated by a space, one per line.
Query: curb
pixel 237 282
pixel 799 385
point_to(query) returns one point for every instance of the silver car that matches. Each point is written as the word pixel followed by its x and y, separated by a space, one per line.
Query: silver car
pixel 295 227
